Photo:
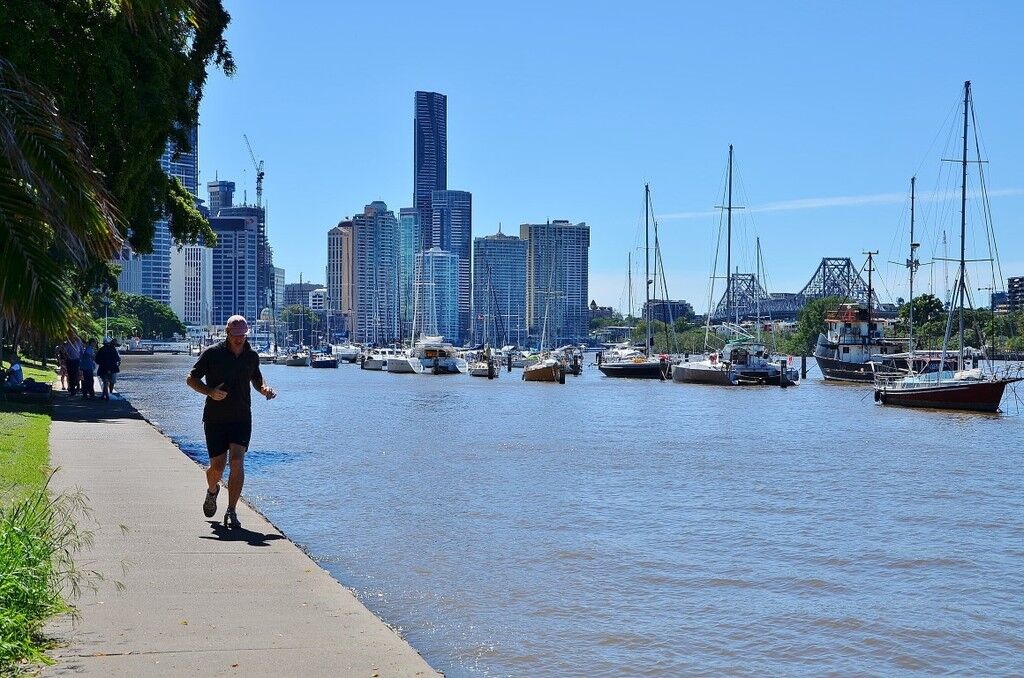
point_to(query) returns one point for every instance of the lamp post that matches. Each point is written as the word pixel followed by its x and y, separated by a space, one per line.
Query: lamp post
pixel 106 308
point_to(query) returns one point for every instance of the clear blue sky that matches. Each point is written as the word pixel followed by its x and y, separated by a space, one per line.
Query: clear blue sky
pixel 563 110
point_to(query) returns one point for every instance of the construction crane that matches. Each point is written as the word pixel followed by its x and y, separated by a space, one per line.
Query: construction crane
pixel 259 173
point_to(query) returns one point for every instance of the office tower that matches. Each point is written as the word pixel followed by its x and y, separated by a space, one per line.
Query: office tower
pixel 1015 293
pixel 129 280
pixel 317 300
pixel 451 230
pixel 339 271
pixel 556 281
pixel 499 290
pixel 221 195
pixel 192 284
pixel 264 253
pixel 234 269
pixel 375 275
pixel 154 269
pixel 296 294
pixel 437 312
pixel 430 155
pixel 278 289
pixel 409 243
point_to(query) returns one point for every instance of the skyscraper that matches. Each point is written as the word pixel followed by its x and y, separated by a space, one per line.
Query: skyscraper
pixel 375 275
pixel 451 230
pixel 430 155
pixel 192 284
pixel 234 268
pixel 264 253
pixel 221 195
pixel 410 242
pixel 437 312
pixel 557 272
pixel 154 269
pixel 340 272
pixel 499 289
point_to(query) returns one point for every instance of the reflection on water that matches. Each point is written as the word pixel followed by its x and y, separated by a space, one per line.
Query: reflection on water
pixel 615 527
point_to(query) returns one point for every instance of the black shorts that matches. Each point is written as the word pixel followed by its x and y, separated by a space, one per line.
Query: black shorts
pixel 220 435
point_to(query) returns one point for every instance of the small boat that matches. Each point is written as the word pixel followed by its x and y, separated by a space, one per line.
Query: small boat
pixel 402 362
pixel 708 371
pixel 374 359
pixel 347 352
pixel 298 359
pixel 324 360
pixel 439 357
pixel 489 368
pixel 637 366
pixel 548 369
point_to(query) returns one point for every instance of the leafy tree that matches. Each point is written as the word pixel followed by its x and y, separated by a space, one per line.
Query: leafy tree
pixel 811 323
pixel 299 321
pixel 927 308
pixel 130 75
pixel 149 318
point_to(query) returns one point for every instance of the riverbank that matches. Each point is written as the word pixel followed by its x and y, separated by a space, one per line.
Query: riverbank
pixel 180 594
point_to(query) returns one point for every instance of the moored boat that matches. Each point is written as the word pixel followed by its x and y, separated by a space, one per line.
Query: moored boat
pixel 546 369
pixel 298 359
pixel 324 360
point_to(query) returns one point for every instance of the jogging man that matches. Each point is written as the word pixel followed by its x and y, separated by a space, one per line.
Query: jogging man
pixel 229 368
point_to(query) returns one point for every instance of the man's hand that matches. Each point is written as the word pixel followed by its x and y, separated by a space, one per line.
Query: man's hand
pixel 267 392
pixel 218 393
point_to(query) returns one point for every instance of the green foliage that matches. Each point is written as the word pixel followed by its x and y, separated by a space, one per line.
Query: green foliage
pixel 148 317
pixel 811 323
pixel 613 320
pixel 24 445
pixel 38 539
pixel 298 320
pixel 131 76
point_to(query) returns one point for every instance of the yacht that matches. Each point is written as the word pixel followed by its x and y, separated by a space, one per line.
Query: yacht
pixel 439 357
pixel 402 362
pixel 346 352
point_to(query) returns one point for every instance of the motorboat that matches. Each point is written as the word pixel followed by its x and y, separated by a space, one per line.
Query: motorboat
pixel 324 360
pixel 439 357
pixel 402 362
pixel 347 352
pixel 298 359
pixel 711 370
pixel 374 359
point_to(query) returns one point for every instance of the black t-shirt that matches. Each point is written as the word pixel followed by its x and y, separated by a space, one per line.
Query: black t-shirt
pixel 220 366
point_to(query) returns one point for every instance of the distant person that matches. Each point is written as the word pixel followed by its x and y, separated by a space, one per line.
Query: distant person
pixel 229 368
pixel 108 364
pixel 73 349
pixel 15 380
pixel 62 361
pixel 88 366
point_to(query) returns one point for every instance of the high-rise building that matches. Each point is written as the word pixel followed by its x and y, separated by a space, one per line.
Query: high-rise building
pixel 451 229
pixel 499 289
pixel 409 243
pixel 154 269
pixel 296 294
pixel 318 300
pixel 1015 293
pixel 375 275
pixel 264 253
pixel 278 289
pixel 437 312
pixel 667 311
pixel 221 195
pixel 339 269
pixel 192 284
pixel 557 269
pixel 234 269
pixel 430 155
pixel 129 280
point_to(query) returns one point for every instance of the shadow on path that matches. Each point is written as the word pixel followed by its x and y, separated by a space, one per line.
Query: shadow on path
pixel 221 533
pixel 76 408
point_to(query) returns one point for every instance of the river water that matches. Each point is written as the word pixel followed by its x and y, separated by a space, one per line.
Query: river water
pixel 619 527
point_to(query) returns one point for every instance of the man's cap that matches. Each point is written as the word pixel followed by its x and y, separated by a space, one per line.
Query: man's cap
pixel 236 326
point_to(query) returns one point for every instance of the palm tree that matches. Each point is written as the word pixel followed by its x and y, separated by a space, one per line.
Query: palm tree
pixel 56 216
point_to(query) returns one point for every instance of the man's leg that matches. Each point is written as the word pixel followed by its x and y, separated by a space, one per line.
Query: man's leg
pixel 215 472
pixel 237 476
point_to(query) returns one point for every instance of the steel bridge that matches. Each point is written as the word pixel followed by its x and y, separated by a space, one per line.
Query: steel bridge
pixel 835 276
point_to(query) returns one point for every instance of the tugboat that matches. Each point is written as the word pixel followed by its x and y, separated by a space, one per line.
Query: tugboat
pixel 854 347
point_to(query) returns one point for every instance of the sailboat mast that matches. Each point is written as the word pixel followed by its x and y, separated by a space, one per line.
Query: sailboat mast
pixel 963 222
pixel 728 243
pixel 629 276
pixel 647 266
pixel 912 264
pixel 757 289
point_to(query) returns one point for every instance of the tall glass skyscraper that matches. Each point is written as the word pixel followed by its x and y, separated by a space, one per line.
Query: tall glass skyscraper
pixel 221 195
pixel 499 290
pixel 430 155
pixel 375 275
pixel 155 268
pixel 557 276
pixel 437 312
pixel 451 227
pixel 234 269
pixel 410 242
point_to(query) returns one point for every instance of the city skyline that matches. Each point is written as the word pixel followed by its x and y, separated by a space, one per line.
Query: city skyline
pixel 827 130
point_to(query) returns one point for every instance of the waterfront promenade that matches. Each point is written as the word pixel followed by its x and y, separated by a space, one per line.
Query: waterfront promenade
pixel 197 599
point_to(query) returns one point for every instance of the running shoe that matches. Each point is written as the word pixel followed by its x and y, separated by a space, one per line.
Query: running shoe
pixel 231 519
pixel 210 505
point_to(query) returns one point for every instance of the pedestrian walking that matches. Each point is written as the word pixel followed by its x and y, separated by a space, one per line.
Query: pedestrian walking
pixel 229 369
pixel 62 361
pixel 108 364
pixel 73 349
pixel 87 365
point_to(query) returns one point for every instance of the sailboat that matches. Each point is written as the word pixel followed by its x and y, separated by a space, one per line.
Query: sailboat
pixel 641 366
pixel 937 386
pixel 547 367
pixel 745 359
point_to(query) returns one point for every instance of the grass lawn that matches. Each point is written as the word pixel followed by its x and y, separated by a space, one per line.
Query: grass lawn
pixel 24 442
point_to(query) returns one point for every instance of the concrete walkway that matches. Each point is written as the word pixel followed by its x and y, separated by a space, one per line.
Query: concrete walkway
pixel 198 599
